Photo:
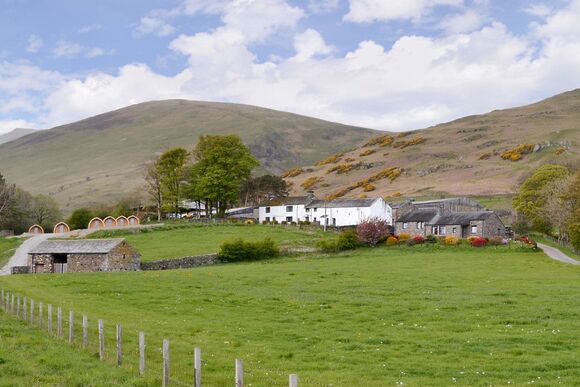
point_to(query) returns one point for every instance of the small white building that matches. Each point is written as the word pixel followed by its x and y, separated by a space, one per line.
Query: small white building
pixel 348 212
pixel 289 209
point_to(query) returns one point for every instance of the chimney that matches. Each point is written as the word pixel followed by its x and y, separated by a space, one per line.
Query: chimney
pixel 310 195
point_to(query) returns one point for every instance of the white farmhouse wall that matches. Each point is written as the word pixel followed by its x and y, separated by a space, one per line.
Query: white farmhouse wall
pixel 280 214
pixel 352 216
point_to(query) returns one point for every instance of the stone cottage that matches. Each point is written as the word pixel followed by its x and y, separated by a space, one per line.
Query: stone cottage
pixel 76 256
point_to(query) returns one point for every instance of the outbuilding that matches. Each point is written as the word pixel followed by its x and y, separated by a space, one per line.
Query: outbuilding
pixel 83 255
pixel 348 212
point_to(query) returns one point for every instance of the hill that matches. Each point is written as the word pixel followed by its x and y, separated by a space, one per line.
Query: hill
pixel 477 155
pixel 14 135
pixel 102 158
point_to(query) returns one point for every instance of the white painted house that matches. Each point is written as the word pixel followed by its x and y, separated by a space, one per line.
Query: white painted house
pixel 348 212
pixel 290 209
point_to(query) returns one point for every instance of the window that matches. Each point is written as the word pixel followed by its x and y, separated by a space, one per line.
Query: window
pixel 420 225
pixel 315 209
pixel 288 208
pixel 442 230
pixel 315 218
pixel 267 210
pixel 289 219
pixel 308 210
pixel 454 230
pixel 334 221
pixel 307 218
pixel 405 225
pixel 267 218
pixel 474 229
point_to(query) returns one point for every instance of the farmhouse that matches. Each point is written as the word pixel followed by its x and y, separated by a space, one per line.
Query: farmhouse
pixel 289 209
pixel 460 224
pixel 460 204
pixel 347 212
pixel 91 255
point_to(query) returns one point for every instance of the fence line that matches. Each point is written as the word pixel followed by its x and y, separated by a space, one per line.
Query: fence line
pixel 8 299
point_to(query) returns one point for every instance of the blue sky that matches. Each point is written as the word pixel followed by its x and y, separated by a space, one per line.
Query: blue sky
pixel 385 64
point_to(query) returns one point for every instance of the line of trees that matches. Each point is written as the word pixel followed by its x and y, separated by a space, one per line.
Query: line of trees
pixel 19 209
pixel 549 202
pixel 217 174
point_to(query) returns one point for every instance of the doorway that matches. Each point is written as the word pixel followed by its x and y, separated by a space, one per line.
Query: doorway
pixel 60 263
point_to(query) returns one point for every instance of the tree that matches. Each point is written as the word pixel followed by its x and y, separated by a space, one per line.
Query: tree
pixel 7 192
pixel 558 206
pixel 260 188
pixel 531 198
pixel 573 196
pixel 171 170
pixel 44 211
pixel 80 219
pixel 223 164
pixel 153 187
pixel 373 230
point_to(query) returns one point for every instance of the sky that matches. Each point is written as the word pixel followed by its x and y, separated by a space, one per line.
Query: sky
pixel 384 64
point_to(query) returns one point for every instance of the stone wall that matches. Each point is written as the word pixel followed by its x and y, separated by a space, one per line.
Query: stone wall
pixel 123 258
pixel 20 270
pixel 40 263
pixel 412 229
pixel 493 226
pixel 181 263
pixel 86 263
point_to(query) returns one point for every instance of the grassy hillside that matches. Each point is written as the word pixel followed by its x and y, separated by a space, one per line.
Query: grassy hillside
pixel 101 158
pixel 14 135
pixel 421 316
pixel 198 240
pixel 457 158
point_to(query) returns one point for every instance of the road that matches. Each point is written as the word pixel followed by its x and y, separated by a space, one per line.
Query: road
pixel 20 257
pixel 556 254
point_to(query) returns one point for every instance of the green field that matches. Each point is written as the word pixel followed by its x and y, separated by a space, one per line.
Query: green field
pixel 7 247
pixel 427 315
pixel 169 242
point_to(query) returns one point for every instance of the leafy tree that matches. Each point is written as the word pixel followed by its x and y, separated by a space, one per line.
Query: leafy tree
pixel 531 198
pixel 16 216
pixel 80 218
pixel 372 231
pixel 7 192
pixel 171 170
pixel 44 211
pixel 223 164
pixel 559 205
pixel 261 188
pixel 154 188
pixel 573 196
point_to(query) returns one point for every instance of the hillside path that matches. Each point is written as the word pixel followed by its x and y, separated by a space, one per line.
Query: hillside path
pixel 556 254
pixel 20 257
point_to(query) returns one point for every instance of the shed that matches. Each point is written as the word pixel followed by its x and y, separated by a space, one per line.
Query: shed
pixel 83 255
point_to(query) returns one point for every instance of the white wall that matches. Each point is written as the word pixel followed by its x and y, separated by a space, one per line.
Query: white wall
pixel 280 214
pixel 352 216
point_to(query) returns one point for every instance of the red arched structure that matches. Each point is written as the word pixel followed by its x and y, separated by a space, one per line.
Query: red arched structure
pixel 96 224
pixel 134 221
pixel 36 229
pixel 110 222
pixel 61 228
pixel 122 221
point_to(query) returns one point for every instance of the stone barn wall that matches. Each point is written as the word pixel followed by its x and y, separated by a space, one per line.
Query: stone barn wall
pixel 122 258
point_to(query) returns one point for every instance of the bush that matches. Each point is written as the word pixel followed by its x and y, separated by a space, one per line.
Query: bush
pixel 347 240
pixel 478 242
pixel 430 239
pixel 451 240
pixel 391 241
pixel 495 241
pixel 284 222
pixel 80 219
pixel 266 222
pixel 250 221
pixel 404 237
pixel 372 231
pixel 416 240
pixel 239 250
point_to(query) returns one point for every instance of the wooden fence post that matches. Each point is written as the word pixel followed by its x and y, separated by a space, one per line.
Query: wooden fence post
pixel 239 373
pixel 119 345
pixel 24 308
pixel 293 380
pixel 141 353
pixel 18 306
pixel 2 299
pixel 59 322
pixel 165 363
pixel 71 326
pixel 85 331
pixel 12 297
pixel 49 315
pixel 101 340
pixel 31 311
pixel 40 314
pixel 197 366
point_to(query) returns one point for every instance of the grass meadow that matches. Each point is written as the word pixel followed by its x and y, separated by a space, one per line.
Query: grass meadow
pixel 7 247
pixel 420 316
pixel 186 240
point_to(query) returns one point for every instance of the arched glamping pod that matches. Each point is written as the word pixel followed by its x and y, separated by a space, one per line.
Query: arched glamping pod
pixel 110 222
pixel 133 220
pixel 96 224
pixel 36 229
pixel 61 228
pixel 122 221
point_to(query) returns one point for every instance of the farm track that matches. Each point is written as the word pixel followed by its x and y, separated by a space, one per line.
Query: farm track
pixel 556 254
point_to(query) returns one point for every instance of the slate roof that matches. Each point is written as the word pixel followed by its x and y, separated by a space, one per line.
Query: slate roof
pixel 287 201
pixel 418 216
pixel 80 246
pixel 461 218
pixel 342 203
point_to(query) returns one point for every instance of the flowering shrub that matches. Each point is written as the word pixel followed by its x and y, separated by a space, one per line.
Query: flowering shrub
pixel 478 242
pixel 392 241
pixel 310 182
pixel 516 153
pixel 495 241
pixel 430 239
pixel 404 236
pixel 416 240
pixel 250 221
pixel 373 230
pixel 451 240
pixel 292 172
pixel 330 159
pixel 367 152
pixel 369 187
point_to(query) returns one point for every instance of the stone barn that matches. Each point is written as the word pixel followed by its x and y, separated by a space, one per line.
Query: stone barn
pixel 88 255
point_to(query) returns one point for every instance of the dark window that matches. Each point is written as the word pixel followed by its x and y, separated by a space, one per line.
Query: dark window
pixel 288 208
pixel 267 210
pixel 60 263
pixel 315 209
pixel 334 221
pixel 267 218
pixel 288 219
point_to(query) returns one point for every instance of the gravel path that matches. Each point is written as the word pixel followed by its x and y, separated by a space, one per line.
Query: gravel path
pixel 556 254
pixel 20 257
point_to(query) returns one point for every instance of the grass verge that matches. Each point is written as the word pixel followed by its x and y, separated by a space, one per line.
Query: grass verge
pixel 7 247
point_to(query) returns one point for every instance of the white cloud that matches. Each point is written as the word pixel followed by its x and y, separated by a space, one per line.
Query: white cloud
pixel 70 50
pixel 468 21
pixel 34 44
pixel 310 43
pixel 90 28
pixel 323 6
pixel 539 10
pixel 366 11
pixel 562 25
pixel 154 25
pixel 9 125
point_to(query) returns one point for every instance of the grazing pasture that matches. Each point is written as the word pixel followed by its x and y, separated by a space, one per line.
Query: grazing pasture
pixel 187 240
pixel 426 315
pixel 7 247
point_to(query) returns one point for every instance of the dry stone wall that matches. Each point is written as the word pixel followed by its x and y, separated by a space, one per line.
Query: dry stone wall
pixel 181 263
